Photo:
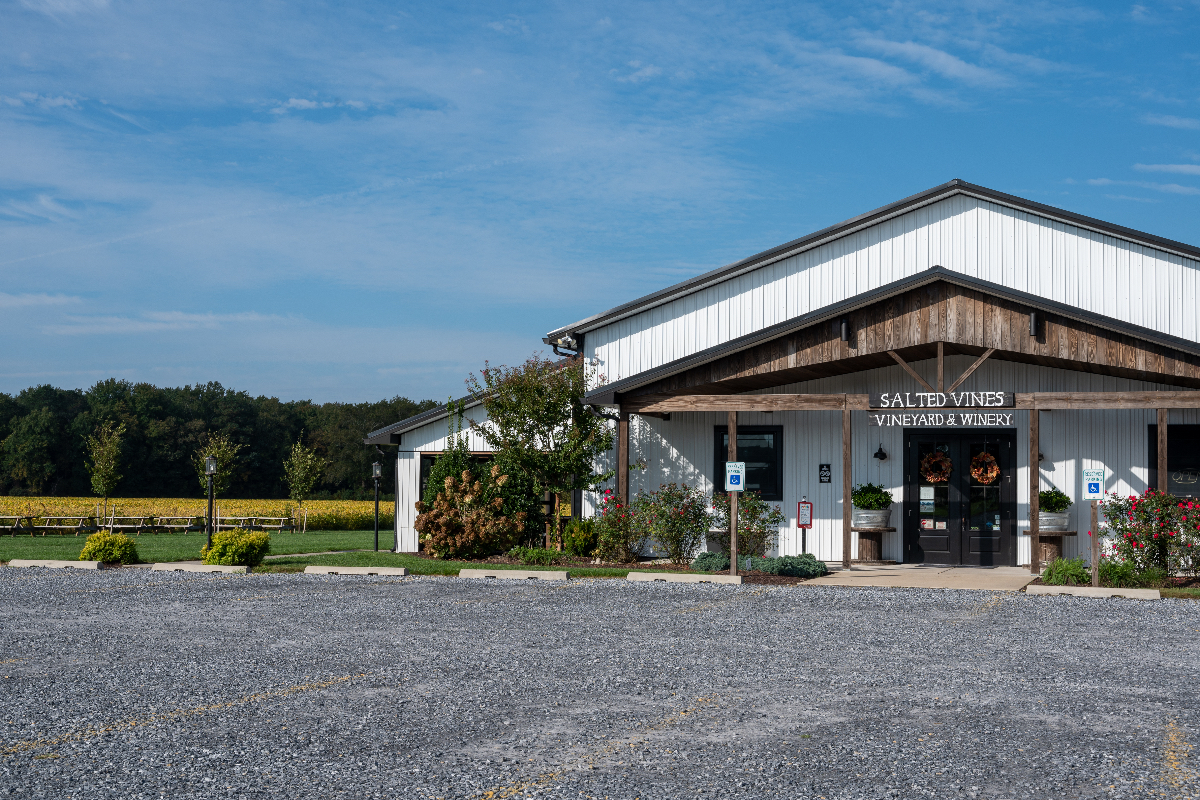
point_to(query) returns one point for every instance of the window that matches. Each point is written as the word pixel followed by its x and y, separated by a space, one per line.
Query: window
pixel 1183 459
pixel 761 447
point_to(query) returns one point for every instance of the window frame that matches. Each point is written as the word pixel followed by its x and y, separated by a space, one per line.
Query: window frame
pixel 721 452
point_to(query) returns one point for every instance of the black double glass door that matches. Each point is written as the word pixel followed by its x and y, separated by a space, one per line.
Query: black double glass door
pixel 960 498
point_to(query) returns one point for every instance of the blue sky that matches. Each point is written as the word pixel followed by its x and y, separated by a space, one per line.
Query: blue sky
pixel 354 201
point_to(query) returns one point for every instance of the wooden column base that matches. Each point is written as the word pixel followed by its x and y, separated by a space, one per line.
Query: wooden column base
pixel 870 543
pixel 1051 545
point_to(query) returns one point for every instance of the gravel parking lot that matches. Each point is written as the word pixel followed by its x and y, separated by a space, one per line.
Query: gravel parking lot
pixel 134 684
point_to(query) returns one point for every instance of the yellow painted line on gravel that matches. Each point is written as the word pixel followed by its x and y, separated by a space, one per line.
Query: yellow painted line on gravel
pixel 588 760
pixel 170 716
pixel 1180 779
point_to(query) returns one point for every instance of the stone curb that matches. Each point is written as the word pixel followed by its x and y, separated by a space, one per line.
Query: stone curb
pixel 1088 591
pixel 516 574
pixel 56 564
pixel 169 567
pixel 399 571
pixel 672 577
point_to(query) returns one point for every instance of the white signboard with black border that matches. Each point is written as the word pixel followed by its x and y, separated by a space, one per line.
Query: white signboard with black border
pixel 1093 484
pixel 943 419
pixel 735 476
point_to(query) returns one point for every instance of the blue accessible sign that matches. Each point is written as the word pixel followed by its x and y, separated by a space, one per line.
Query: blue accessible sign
pixel 735 476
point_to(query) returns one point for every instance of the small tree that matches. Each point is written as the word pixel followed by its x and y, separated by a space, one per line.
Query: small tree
pixel 104 456
pixel 301 471
pixel 537 421
pixel 225 450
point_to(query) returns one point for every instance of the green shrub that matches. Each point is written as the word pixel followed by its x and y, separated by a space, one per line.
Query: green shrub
pixel 111 548
pixel 237 548
pixel 579 538
pixel 1154 578
pixel 1067 572
pixel 535 555
pixel 1053 501
pixel 758 523
pixel 676 517
pixel 1117 574
pixel 711 562
pixel 1155 531
pixel 871 497
pixel 802 566
pixel 619 535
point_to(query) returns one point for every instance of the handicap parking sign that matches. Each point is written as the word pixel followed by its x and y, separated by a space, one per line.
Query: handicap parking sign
pixel 1093 484
pixel 735 476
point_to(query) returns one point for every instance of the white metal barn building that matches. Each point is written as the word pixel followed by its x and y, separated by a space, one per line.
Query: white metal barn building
pixel 962 321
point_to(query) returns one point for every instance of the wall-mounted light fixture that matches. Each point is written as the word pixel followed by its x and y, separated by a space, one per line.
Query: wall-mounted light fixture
pixel 845 329
pixel 880 454
pixel 1033 323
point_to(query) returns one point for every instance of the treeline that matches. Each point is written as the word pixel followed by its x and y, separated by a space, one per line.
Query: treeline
pixel 43 431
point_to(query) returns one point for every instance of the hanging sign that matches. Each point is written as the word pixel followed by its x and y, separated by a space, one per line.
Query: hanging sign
pixel 735 476
pixel 804 514
pixel 1093 484
pixel 964 419
pixel 825 473
pixel 943 400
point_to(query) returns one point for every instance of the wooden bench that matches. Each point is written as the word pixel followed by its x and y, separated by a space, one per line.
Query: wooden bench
pixel 12 525
pixel 280 524
pixel 135 524
pixel 63 524
pixel 235 523
pixel 179 524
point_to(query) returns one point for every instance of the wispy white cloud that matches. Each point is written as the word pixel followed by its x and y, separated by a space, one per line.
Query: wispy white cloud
pixel 65 8
pixel 28 300
pixel 1169 121
pixel 937 61
pixel 155 322
pixel 641 72
pixel 1182 169
pixel 1132 198
pixel 1169 188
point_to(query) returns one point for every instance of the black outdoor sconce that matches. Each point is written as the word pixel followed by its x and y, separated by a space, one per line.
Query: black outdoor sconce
pixel 880 454
pixel 845 322
pixel 1033 323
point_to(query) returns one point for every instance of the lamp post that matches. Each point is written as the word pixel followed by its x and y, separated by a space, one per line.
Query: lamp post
pixel 210 472
pixel 376 473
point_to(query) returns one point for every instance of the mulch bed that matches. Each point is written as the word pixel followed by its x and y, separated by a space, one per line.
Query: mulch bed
pixel 761 578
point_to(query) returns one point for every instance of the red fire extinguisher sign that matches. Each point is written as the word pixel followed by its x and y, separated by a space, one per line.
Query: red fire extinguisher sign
pixel 804 514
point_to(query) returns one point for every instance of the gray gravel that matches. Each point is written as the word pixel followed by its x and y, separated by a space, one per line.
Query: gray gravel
pixel 132 684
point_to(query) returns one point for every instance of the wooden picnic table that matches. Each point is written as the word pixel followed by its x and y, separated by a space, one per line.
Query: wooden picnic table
pixel 61 524
pixel 14 524
pixel 276 524
pixel 135 524
pixel 184 524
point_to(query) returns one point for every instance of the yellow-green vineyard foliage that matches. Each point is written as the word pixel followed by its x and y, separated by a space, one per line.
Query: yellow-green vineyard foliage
pixel 322 515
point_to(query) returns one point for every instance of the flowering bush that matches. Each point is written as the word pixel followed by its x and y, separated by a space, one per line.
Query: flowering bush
pixel 676 518
pixel 621 534
pixel 468 520
pixel 758 523
pixel 1155 532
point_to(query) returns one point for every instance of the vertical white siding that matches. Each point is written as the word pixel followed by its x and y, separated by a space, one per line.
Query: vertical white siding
pixel 681 449
pixel 1016 249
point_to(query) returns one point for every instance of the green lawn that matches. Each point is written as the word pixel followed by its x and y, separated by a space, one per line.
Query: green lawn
pixel 184 547
pixel 425 566
pixel 1189 593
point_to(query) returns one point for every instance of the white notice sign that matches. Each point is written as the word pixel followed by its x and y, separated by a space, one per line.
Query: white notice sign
pixel 1093 484
pixel 735 476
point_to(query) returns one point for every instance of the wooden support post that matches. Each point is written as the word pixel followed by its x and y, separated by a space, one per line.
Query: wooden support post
pixel 847 481
pixel 623 457
pixel 1035 484
pixel 732 455
pixel 1094 532
pixel 941 366
pixel 1162 450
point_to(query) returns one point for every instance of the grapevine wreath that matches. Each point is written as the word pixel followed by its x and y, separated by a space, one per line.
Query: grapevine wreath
pixel 936 466
pixel 984 468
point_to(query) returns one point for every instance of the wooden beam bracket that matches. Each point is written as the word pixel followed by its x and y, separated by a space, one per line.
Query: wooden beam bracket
pixel 910 370
pixel 979 361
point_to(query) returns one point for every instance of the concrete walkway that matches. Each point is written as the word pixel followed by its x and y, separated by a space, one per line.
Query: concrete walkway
pixel 929 576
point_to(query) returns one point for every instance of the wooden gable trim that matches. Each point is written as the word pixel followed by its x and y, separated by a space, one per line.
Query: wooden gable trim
pixel 963 320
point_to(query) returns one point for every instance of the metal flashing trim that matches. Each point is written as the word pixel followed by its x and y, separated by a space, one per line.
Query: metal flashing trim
pixel 850 226
pixel 606 395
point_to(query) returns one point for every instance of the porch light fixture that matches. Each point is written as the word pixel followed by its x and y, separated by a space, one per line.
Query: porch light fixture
pixel 210 472
pixel 880 454
pixel 845 329
pixel 210 466
pixel 1033 323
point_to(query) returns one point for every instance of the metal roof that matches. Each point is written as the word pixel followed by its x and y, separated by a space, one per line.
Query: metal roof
pixel 821 237
pixel 384 435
